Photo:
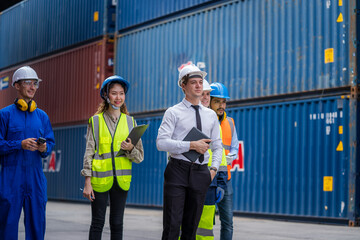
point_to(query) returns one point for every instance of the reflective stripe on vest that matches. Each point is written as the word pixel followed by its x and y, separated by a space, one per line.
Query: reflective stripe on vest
pixel 105 163
pixel 206 223
pixel 110 173
pixel 223 157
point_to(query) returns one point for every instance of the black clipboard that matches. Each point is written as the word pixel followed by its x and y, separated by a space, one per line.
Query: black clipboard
pixel 135 136
pixel 194 135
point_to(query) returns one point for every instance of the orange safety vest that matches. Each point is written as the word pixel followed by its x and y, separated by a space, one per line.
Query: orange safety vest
pixel 227 127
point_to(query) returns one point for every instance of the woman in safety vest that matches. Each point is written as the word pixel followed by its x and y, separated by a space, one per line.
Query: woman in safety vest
pixel 107 174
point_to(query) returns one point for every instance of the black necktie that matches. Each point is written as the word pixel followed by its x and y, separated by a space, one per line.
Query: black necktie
pixel 198 126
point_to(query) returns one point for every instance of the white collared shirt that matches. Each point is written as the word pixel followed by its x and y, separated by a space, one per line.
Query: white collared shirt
pixel 178 120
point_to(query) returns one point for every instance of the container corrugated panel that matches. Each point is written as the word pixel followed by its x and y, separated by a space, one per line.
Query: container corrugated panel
pixel 65 182
pixel 33 28
pixel 70 90
pixel 296 159
pixel 256 48
pixel 147 181
pixel 130 13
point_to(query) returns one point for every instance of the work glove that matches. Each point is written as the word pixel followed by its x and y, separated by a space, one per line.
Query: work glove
pixel 229 159
pixel 219 194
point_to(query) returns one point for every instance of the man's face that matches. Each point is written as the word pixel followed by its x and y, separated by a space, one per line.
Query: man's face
pixel 27 88
pixel 218 105
pixel 193 88
pixel 205 98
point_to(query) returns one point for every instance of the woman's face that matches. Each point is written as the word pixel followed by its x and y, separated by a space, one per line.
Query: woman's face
pixel 117 95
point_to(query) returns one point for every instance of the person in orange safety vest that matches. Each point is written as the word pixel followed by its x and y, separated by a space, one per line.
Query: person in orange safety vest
pixel 219 95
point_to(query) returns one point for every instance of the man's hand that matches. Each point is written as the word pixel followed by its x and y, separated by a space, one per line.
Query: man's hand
pixel 213 174
pixel 30 144
pixel 42 147
pixel 201 146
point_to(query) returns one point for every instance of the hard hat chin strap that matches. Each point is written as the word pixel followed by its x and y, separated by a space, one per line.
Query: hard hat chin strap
pixel 108 101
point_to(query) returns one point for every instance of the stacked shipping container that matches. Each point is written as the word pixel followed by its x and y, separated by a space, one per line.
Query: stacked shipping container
pixel 255 48
pixel 70 90
pixel 278 178
pixel 70 45
pixel 34 28
pixel 280 60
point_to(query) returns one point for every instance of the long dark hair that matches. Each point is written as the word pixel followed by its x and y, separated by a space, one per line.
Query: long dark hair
pixel 104 105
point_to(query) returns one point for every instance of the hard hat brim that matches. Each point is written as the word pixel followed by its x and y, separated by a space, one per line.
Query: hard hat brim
pixel 220 96
pixel 202 73
pixel 116 79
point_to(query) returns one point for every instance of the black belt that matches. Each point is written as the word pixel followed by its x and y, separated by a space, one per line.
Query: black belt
pixel 186 163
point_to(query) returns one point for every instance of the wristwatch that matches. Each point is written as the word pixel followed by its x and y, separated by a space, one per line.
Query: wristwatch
pixel 214 169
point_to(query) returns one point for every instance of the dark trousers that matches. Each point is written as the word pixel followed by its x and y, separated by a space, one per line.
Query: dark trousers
pixel 185 188
pixel 98 210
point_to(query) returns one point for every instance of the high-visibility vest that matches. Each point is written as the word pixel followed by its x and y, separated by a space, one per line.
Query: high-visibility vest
pixel 206 225
pixel 227 127
pixel 105 164
pixel 223 164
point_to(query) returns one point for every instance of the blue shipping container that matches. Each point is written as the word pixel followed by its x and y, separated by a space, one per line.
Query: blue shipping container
pixel 297 159
pixel 33 28
pixel 256 48
pixel 132 13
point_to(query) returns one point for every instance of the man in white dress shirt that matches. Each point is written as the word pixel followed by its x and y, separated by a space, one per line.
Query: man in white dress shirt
pixel 186 182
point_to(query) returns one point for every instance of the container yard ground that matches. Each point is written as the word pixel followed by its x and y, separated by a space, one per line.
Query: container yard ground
pixel 72 220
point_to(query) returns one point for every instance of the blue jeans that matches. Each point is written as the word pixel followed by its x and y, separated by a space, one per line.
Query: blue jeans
pixel 226 213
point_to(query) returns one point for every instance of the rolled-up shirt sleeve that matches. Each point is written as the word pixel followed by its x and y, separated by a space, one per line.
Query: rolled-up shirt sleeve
pixel 234 148
pixel 89 153
pixel 136 155
pixel 164 141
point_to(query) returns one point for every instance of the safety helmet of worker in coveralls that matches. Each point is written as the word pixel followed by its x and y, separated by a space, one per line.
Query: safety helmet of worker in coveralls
pixel 24 73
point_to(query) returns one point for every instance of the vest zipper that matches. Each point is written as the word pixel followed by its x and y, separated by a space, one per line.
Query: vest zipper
pixel 112 146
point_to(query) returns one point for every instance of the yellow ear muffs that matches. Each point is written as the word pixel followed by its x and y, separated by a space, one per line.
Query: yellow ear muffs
pixel 32 106
pixel 24 106
pixel 21 104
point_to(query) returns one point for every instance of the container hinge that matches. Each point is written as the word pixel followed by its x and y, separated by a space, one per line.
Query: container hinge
pixel 354 92
pixel 357 42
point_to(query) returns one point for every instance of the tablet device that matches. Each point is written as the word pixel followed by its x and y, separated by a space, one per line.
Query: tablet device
pixel 194 135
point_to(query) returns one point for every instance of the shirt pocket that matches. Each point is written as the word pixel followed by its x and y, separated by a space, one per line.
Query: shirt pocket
pixel 15 133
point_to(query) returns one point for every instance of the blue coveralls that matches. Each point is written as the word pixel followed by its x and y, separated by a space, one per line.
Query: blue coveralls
pixel 22 181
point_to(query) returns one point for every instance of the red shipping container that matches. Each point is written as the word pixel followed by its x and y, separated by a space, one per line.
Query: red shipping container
pixel 70 90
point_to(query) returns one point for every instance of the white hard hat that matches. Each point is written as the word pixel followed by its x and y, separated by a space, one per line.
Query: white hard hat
pixel 190 69
pixel 23 73
pixel 206 86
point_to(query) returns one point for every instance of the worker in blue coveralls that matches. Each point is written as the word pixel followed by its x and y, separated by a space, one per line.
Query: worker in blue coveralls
pixel 26 136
